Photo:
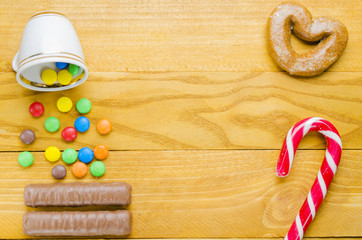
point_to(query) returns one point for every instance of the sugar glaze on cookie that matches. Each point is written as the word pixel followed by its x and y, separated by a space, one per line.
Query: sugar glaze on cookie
pixel 331 34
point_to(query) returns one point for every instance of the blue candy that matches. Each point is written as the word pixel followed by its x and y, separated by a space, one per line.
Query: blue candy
pixel 85 155
pixel 61 65
pixel 82 124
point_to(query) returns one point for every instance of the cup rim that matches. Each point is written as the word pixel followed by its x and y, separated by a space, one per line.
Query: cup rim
pixel 52 59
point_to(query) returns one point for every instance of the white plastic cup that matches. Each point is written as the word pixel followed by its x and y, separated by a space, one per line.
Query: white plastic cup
pixel 48 37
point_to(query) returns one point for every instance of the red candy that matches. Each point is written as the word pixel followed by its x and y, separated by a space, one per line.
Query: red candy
pixel 36 109
pixel 69 134
pixel 325 174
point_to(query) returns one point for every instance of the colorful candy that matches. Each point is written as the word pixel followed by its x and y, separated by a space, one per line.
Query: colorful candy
pixel 69 155
pixel 64 104
pixel 82 124
pixel 104 126
pixel 64 77
pixel 52 124
pixel 79 169
pixel 25 159
pixel 59 171
pixel 52 154
pixel 83 105
pixel 97 169
pixel 69 134
pixel 85 155
pixel 36 109
pixel 78 77
pixel 101 152
pixel 61 65
pixel 325 173
pixel 73 69
pixel 27 136
pixel 49 76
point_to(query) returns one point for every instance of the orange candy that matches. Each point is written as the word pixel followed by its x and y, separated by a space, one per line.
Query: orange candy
pixel 101 152
pixel 79 169
pixel 104 126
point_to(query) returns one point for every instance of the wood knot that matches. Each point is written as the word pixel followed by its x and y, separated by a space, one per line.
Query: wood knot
pixel 283 207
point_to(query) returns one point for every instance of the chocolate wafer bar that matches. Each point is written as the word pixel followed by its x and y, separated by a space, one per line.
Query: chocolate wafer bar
pixel 77 194
pixel 75 223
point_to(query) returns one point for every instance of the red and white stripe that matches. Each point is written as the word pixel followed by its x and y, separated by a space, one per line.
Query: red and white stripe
pixel 325 174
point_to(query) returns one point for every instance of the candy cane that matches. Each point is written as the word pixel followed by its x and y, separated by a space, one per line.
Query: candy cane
pixel 325 175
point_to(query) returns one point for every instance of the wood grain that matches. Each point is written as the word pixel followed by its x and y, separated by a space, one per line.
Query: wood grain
pixel 176 35
pixel 192 75
pixel 190 110
pixel 306 238
pixel 206 193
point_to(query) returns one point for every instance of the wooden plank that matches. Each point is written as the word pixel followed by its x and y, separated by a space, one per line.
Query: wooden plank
pixel 306 238
pixel 176 35
pixel 190 110
pixel 198 193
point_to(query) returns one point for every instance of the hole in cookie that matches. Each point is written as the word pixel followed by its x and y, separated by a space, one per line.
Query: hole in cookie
pixel 301 46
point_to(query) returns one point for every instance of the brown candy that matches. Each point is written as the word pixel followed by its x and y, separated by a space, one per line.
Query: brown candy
pixel 92 223
pixel 27 136
pixel 59 171
pixel 289 17
pixel 77 194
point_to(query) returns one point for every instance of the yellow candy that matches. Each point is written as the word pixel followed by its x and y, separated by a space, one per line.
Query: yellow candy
pixel 52 154
pixel 25 80
pixel 77 78
pixel 64 104
pixel 64 77
pixel 49 76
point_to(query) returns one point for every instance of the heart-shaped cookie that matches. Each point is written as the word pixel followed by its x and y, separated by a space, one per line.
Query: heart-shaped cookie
pixel 331 34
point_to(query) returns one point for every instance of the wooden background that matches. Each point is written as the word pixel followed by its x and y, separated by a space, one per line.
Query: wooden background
pixel 199 111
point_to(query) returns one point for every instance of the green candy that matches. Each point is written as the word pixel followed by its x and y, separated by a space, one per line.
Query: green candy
pixel 84 105
pixel 25 159
pixel 73 69
pixel 69 155
pixel 97 169
pixel 52 124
